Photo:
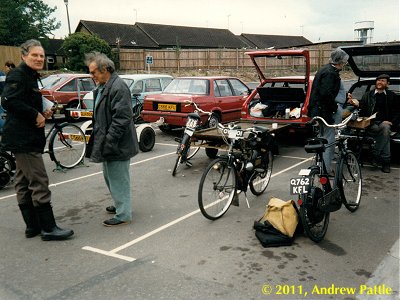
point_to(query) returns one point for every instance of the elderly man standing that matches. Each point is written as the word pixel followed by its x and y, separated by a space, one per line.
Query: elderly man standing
pixel 24 135
pixel 324 91
pixel 113 141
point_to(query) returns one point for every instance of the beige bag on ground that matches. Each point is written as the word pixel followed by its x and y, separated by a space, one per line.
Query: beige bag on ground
pixel 282 215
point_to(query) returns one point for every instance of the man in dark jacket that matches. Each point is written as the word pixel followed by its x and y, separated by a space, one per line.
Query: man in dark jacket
pixel 382 102
pixel 324 90
pixel 114 139
pixel 24 136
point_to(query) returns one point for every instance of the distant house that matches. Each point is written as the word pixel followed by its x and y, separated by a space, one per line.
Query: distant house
pixel 158 36
pixel 260 41
pixel 54 53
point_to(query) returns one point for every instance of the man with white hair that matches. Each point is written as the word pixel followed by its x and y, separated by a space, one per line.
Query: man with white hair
pixel 325 88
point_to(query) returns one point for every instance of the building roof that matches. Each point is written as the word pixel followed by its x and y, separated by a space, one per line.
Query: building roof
pixel 53 46
pixel 167 36
pixel 274 41
pixel 128 36
pixel 148 35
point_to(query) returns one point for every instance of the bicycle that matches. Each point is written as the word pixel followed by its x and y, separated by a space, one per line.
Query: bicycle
pixel 318 196
pixel 67 144
pixel 248 163
pixel 186 150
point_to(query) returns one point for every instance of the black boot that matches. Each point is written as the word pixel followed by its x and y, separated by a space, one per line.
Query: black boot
pixel 31 220
pixel 50 230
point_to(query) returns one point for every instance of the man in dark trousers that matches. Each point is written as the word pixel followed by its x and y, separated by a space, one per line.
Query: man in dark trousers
pixel 324 90
pixel 24 135
pixel 382 102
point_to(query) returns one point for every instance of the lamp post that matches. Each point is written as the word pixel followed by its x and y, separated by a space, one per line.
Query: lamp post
pixel 69 26
pixel 228 20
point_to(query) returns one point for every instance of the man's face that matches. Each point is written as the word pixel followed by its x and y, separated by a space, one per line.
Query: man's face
pixel 35 58
pixel 100 77
pixel 381 84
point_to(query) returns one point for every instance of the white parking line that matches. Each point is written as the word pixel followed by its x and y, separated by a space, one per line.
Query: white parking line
pixel 95 174
pixel 112 253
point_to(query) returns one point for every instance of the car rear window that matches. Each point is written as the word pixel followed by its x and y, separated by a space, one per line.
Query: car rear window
pixel 382 62
pixel 51 81
pixel 188 86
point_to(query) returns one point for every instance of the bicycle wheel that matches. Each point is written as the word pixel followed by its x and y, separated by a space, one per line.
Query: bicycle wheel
pixel 67 145
pixel 217 189
pixel 262 174
pixel 7 168
pixel 315 221
pixel 193 149
pixel 350 181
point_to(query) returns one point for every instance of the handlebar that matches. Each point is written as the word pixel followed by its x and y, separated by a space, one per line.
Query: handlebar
pixel 190 102
pixel 338 126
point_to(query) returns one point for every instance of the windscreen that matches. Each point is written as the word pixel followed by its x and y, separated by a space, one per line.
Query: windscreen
pixel 188 86
pixel 51 81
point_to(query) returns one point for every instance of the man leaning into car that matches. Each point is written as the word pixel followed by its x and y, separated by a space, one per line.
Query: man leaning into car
pixel 382 102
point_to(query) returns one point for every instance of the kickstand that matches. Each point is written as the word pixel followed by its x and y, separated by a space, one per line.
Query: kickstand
pixel 247 200
pixel 59 169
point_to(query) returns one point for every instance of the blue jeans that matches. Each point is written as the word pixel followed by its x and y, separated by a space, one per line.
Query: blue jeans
pixel 117 177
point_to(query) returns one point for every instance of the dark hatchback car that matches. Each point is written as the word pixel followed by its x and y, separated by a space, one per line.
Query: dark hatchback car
pixel 284 99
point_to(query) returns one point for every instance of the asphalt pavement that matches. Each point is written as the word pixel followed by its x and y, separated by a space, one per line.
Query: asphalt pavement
pixel 170 251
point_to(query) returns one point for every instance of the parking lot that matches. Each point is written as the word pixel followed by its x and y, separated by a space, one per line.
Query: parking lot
pixel 170 251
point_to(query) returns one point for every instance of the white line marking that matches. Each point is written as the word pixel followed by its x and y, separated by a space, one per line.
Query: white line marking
pixel 95 174
pixel 108 253
pixel 157 230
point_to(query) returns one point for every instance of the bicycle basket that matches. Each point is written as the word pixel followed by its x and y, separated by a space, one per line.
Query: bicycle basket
pixel 331 201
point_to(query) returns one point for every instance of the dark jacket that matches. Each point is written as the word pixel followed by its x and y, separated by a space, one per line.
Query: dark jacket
pixel 22 100
pixel 114 132
pixel 367 106
pixel 324 90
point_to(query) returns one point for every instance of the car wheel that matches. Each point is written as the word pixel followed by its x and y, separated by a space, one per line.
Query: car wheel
pixel 213 121
pixel 147 139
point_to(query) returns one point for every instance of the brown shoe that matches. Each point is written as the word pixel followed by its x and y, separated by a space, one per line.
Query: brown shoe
pixel 386 168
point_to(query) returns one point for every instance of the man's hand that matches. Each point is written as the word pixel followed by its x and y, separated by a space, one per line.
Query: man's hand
pixel 47 113
pixel 40 120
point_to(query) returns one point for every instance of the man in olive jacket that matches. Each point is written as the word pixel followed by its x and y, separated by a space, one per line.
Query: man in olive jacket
pixel 114 139
pixel 382 102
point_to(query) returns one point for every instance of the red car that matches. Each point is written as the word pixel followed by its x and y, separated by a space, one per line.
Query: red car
pixel 284 90
pixel 67 89
pixel 221 95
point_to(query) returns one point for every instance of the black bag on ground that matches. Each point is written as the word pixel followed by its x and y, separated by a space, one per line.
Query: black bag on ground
pixel 269 236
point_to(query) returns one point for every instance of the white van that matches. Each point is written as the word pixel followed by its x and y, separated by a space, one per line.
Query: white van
pixel 140 85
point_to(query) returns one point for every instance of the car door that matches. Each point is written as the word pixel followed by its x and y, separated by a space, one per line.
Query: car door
pixel 226 100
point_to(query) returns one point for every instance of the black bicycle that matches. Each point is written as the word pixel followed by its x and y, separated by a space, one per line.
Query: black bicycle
pixel 186 148
pixel 67 144
pixel 248 163
pixel 318 194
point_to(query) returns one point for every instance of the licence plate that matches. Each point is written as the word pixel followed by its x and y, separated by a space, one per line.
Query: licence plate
pixel 168 107
pixel 86 113
pixel 189 131
pixel 299 185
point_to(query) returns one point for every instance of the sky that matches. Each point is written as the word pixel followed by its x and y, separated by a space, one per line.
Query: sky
pixel 316 20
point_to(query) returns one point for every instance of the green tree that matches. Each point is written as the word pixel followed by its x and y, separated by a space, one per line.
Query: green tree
pixel 78 44
pixel 21 20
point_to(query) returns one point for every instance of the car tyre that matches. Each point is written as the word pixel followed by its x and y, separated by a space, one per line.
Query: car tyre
pixel 147 139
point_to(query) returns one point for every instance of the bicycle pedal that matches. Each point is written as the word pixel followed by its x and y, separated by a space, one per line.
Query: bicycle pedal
pixel 188 164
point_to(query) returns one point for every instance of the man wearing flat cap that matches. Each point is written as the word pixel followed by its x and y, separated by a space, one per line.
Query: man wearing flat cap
pixel 324 90
pixel 382 102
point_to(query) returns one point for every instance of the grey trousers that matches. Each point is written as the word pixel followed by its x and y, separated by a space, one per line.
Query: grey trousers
pixel 329 153
pixel 117 177
pixel 381 134
pixel 31 180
